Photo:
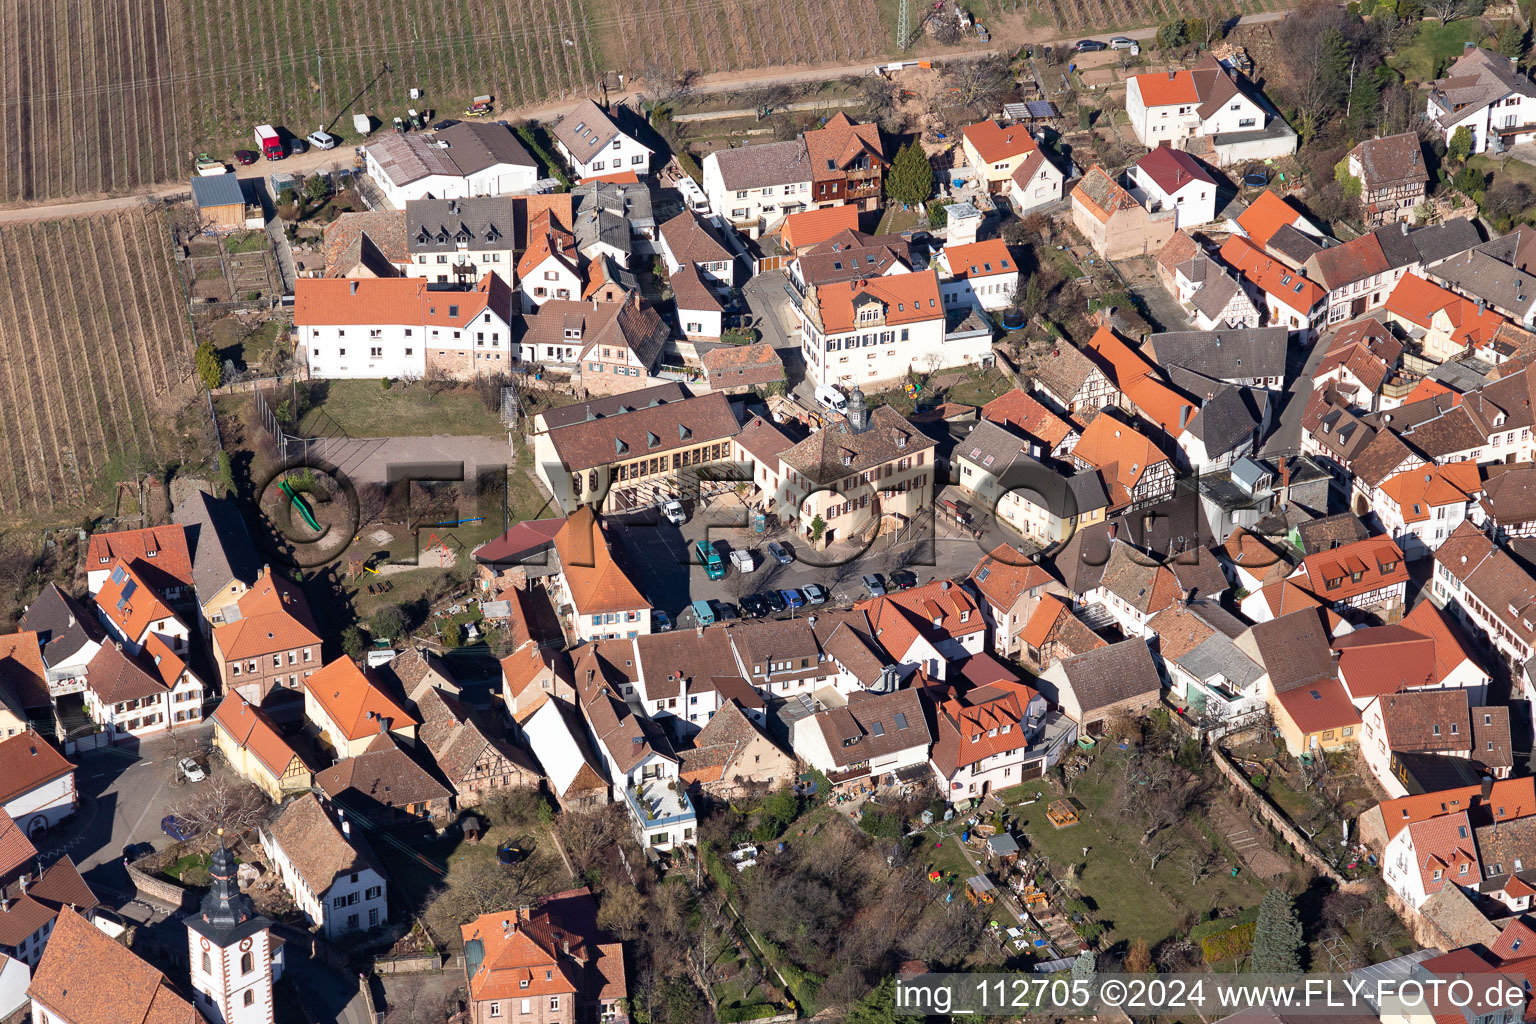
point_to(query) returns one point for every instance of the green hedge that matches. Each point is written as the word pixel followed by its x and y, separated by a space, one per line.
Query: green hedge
pixel 552 166
pixel 1233 942
pixel 1217 925
pixel 737 1014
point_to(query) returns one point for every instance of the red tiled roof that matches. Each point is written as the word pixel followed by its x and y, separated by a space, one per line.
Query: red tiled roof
pixel 907 298
pixel 1172 169
pixel 1140 380
pixel 1318 707
pixel 274 617
pixel 171 554
pixel 130 603
pixel 1507 799
pixel 980 259
pixel 1165 88
pixel 1419 491
pixel 1266 215
pixel 252 730
pixel 1120 453
pixel 595 581
pixel 1417 300
pixel 1019 409
pixel 1445 844
pixel 1369 558
pixel 812 227
pixel 347 696
pixel 86 977
pixel 341 301
pixel 1270 276
pixel 28 761
pixel 1450 650
pixel 994 143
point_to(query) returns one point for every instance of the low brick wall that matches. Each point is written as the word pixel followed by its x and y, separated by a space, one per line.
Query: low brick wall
pixel 1255 800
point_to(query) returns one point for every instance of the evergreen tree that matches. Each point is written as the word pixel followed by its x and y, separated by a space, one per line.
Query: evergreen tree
pixel 1364 105
pixel 1511 42
pixel 1461 144
pixel 1085 967
pixel 1277 939
pixel 1335 71
pixel 208 366
pixel 910 179
pixel 877 1007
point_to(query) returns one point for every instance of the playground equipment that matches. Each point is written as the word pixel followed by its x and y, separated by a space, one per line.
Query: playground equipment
pixel 298 502
pixel 1061 814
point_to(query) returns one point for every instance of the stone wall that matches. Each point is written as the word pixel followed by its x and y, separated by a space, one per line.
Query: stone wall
pixel 159 890
pixel 1255 800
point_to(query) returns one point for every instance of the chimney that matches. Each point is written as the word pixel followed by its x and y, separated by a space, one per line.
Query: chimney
pixel 1183 416
pixel 634 298
pixel 567 944
pixel 383 724
pixel 346 829
pixel 522 911
pixel 1172 74
pixel 1487 788
pixel 1114 529
pixel 507 927
pixel 1403 226
pixel 1186 596
pixel 22 882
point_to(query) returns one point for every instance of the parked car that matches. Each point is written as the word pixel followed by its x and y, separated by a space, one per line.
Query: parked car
pixel 725 611
pixel 793 598
pixel 815 593
pixel 446 122
pixel 903 579
pixel 661 622
pixel 191 770
pixel 774 600
pixel 1090 46
pixel 322 140
pixel 753 606
pixel 133 851
pixel 246 157
pixel 742 560
pixel 832 398
pixel 177 829
pixel 675 513
pixel 1123 43
pixel 780 553
pixel 874 584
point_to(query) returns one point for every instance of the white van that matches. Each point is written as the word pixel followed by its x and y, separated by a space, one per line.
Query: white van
pixel 832 398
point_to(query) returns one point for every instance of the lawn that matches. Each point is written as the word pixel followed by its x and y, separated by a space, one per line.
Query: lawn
pixel 365 408
pixel 1113 875
pixel 1432 44
pixel 896 220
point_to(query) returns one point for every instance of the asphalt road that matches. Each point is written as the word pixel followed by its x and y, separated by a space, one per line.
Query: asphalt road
pixel 1301 363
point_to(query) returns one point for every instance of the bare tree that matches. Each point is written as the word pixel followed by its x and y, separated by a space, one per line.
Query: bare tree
pixel 16 565
pixel 418 1005
pixel 1196 862
pixel 587 835
pixel 1446 10
pixel 979 84
pixel 222 802
pixel 478 885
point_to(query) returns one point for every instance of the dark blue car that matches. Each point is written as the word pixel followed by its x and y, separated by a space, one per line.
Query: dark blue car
pixel 792 598
pixel 177 829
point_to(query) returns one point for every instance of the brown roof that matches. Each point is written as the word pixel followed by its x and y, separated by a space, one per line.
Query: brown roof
pixel 1427 721
pixel 820 457
pixel 27 761
pixel 1101 196
pixel 838 143
pixel 763 441
pixel 1112 674
pixel 1178 249
pixel 458 739
pixel 1342 264
pixel 690 292
pixel 250 729
pixel 871 726
pixel 366 238
pixel 171 561
pixel 653 429
pixel 273 617
pixel 694 240
pixel 1509 496
pixel 851 255
pixel 383 774
pixel 1294 649
pixel 1492 746
pixel 774 163
pixel 116 676
pixel 717 746
pixel 1391 160
pixel 736 365
pixel 86 977
pixel 314 844
pixel 585 131
pixel 1065 371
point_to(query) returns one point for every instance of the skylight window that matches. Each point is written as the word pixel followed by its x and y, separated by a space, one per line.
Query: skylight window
pixel 877 729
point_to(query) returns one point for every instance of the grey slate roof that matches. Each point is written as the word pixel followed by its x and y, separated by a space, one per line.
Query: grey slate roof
pixel 1478 274
pixel 1441 241
pixel 62 626
pixel 992 447
pixel 1213 296
pixel 1218 655
pixel 1225 354
pixel 442 225
pixel 1294 244
pixel 1227 419
pixel 217 190
pixel 776 163
pixel 222 551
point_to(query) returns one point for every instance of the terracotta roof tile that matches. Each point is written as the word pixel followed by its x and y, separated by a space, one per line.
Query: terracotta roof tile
pixel 1507 800
pixel 994 143
pixel 352 701
pixel 250 729
pixel 1265 215
pixel 595 581
pixel 904 299
pixel 274 617
pixel 81 963
pixel 980 259
pixel 1321 706
pixel 171 558
pixel 28 761
pixel 22 669
pixel 812 227
pixel 314 844
pixel 1166 88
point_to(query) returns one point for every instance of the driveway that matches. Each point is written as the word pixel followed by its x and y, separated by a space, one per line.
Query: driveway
pixel 769 303
pixel 1164 309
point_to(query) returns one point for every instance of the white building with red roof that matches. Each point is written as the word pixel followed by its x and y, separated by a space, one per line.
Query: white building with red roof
pixel 1169 179
pixel 982 274
pixel 1206 101
pixel 873 330
pixel 398 327
pixel 927 627
pixel 1290 300
pixel 987 739
pixel 1368 573
pixel 1421 507
pixel 1427 855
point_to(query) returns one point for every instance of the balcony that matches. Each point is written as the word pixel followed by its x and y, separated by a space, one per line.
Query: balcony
pixel 655 804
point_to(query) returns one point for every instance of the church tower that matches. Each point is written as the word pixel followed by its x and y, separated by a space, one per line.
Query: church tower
pixel 233 955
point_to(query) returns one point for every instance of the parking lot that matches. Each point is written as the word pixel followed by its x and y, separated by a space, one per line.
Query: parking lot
pixel 668 571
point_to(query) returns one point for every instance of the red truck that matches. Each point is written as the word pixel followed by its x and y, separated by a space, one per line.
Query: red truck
pixel 271 145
